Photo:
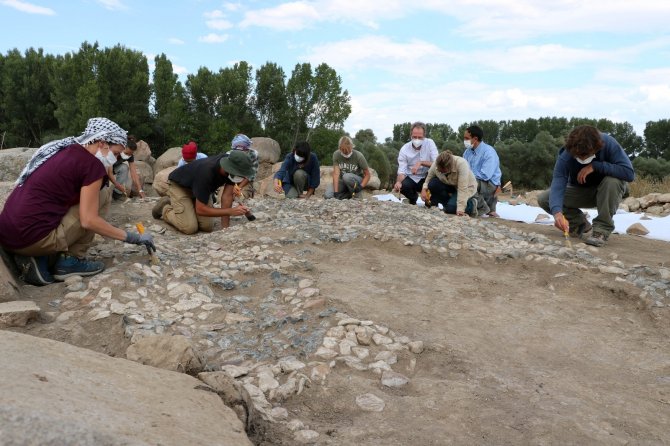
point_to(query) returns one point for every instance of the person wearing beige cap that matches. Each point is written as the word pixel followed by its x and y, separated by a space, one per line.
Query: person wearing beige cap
pixel 188 205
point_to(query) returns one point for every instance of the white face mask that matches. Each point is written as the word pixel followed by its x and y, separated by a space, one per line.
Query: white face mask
pixel 587 160
pixel 467 143
pixel 416 142
pixel 124 156
pixel 111 158
pixel 235 179
pixel 298 159
pixel 348 155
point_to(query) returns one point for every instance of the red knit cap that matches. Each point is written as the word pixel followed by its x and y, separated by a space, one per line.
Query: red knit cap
pixel 189 151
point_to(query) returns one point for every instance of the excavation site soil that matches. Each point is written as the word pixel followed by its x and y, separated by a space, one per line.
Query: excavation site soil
pixel 517 351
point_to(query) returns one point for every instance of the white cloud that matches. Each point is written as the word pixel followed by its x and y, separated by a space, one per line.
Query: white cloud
pixel 28 7
pixel 536 58
pixel 175 41
pixel 213 38
pixel 216 20
pixel 285 17
pixel 415 58
pixel 113 5
pixel 178 69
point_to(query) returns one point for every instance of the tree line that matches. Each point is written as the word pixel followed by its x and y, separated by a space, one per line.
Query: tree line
pixel 45 97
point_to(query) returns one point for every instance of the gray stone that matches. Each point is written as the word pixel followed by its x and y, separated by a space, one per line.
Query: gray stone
pixel 393 379
pixel 167 352
pixel 370 402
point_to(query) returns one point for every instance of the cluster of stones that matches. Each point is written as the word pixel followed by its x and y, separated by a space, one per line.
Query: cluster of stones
pixel 213 289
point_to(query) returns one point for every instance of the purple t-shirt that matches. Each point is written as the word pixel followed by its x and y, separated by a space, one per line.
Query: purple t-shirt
pixel 37 207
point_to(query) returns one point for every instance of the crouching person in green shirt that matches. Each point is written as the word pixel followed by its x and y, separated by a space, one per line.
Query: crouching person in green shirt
pixel 350 171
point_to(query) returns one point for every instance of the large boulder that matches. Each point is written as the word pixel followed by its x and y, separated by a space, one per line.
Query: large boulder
pixel 143 151
pixel 145 171
pixel 55 393
pixel 168 159
pixel 268 149
pixel 12 162
pixel 161 180
pixel 6 188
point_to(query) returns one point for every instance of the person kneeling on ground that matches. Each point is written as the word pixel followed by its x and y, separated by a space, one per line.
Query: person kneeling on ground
pixel 125 170
pixel 591 170
pixel 299 171
pixel 242 143
pixel 188 204
pixel 54 208
pixel 350 171
pixel 452 184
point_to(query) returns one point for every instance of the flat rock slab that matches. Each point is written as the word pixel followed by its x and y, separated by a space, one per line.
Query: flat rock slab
pixel 18 313
pixel 55 393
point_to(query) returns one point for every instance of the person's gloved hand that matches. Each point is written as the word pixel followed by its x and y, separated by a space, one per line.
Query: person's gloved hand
pixel 141 239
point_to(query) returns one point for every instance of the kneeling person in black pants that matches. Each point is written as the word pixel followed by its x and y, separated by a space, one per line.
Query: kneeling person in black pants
pixel 453 185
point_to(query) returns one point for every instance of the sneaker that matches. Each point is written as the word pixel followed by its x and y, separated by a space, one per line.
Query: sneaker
pixel 582 229
pixel 472 206
pixel 68 266
pixel 597 239
pixel 157 210
pixel 34 270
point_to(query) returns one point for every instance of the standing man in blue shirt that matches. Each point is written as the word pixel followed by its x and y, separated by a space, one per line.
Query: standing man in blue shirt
pixel 414 160
pixel 591 170
pixel 484 163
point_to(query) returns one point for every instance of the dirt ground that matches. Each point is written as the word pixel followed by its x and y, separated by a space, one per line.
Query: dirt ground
pixel 517 352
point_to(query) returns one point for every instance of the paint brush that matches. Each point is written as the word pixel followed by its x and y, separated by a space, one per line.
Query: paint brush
pixel 154 259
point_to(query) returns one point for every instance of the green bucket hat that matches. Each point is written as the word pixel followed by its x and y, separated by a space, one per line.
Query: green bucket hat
pixel 238 163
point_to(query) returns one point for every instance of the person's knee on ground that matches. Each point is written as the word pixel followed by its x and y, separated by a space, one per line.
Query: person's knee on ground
pixel 300 179
pixel 409 189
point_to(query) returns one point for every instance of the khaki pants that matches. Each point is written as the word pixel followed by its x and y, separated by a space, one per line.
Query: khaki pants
pixel 180 213
pixel 68 236
pixel 105 198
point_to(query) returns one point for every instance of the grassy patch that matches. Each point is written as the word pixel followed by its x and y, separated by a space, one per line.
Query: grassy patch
pixel 646 185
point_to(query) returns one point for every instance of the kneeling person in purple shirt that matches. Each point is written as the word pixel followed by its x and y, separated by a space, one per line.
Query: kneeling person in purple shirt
pixel 53 210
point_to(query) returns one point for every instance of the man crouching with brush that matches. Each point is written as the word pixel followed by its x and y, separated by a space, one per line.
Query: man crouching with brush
pixel 188 206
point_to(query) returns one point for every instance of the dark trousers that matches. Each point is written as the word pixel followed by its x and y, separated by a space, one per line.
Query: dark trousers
pixel 410 189
pixel 447 196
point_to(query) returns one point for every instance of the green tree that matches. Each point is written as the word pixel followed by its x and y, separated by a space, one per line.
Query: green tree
pixel 324 143
pixel 365 135
pixel 26 97
pixel 657 137
pixel 316 99
pixel 491 130
pixel 625 134
pixel 170 107
pixel 657 169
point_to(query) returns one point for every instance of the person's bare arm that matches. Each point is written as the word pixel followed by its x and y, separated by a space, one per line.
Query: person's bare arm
pixel 136 178
pixel 88 213
pixel 366 178
pixel 336 178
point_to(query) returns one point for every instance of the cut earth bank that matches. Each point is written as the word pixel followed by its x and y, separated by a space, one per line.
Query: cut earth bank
pixel 453 330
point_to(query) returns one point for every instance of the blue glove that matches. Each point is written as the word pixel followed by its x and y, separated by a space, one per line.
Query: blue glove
pixel 141 239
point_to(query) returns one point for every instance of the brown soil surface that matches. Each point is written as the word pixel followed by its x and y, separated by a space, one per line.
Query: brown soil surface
pixel 517 352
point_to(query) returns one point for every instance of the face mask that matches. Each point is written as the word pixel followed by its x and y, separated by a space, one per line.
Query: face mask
pixel 348 155
pixel 235 179
pixel 416 142
pixel 298 159
pixel 111 158
pixel 467 143
pixel 98 155
pixel 124 156
pixel 587 160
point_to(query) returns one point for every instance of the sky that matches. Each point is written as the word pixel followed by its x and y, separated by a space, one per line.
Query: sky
pixel 436 61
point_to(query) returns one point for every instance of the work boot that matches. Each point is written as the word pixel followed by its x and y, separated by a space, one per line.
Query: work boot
pixel 157 210
pixel 597 239
pixel 582 229
pixel 34 270
pixel 68 266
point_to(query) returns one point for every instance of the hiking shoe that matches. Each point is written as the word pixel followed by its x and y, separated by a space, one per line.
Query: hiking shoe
pixel 597 239
pixel 34 270
pixel 157 210
pixel 68 266
pixel 582 229
pixel 471 207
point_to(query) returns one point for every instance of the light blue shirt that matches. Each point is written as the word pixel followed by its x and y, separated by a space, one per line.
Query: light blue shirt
pixel 484 163
pixel 198 156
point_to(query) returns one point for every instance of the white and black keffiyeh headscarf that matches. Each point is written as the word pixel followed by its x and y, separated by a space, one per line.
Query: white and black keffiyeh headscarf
pixel 97 129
